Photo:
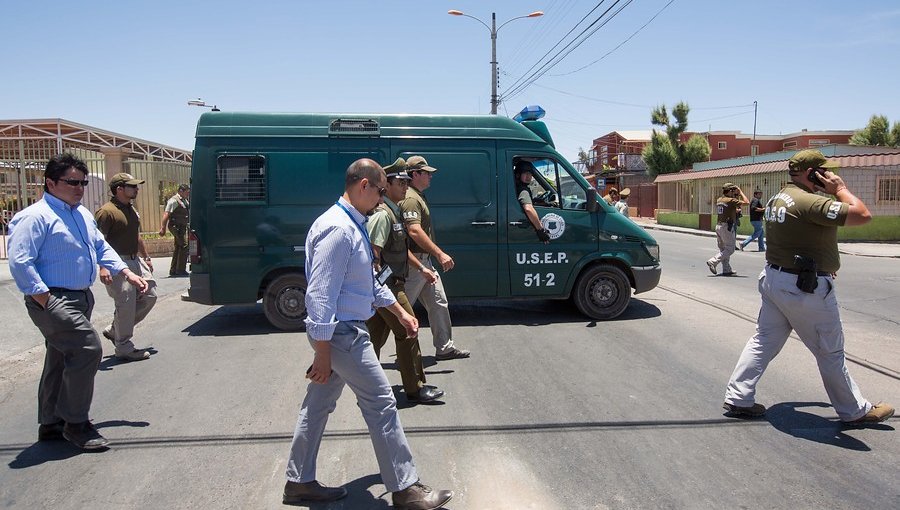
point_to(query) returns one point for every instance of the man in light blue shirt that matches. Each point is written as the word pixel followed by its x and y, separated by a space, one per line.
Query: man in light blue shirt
pixel 341 295
pixel 54 248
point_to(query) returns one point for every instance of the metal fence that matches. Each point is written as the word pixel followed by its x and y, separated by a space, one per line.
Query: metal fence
pixel 22 164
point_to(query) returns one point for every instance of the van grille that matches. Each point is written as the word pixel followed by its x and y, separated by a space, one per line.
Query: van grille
pixel 354 127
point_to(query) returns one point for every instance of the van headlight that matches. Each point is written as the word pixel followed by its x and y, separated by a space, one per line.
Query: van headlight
pixel 653 250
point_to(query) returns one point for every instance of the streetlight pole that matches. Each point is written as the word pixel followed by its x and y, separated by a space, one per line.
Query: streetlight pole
pixel 493 29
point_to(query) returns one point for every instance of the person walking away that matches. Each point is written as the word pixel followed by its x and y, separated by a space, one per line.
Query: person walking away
pixel 756 219
pixel 798 290
pixel 340 297
pixel 390 243
pixel 120 224
pixel 176 216
pixel 417 217
pixel 726 226
pixel 54 248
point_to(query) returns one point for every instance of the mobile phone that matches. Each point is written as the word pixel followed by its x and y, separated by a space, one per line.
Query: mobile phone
pixel 814 174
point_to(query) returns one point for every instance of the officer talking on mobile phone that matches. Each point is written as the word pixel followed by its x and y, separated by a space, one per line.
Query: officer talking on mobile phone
pixel 798 290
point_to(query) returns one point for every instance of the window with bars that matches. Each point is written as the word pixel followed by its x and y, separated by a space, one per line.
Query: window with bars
pixel 723 145
pixel 888 190
pixel 241 179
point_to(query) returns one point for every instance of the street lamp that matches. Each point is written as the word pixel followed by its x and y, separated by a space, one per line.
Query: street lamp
pixel 493 29
pixel 200 102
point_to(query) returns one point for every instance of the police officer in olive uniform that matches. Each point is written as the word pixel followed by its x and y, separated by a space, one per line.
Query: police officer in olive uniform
pixel 176 217
pixel 798 289
pixel 727 207
pixel 611 196
pixel 390 242
pixel 417 217
pixel 523 171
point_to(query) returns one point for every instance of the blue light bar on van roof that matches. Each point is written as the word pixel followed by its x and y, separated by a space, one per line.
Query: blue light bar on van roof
pixel 532 112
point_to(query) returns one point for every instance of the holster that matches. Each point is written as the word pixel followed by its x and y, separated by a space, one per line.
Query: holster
pixel 807 279
pixel 730 225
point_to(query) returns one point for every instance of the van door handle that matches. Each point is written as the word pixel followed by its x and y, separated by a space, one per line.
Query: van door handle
pixel 520 224
pixel 483 223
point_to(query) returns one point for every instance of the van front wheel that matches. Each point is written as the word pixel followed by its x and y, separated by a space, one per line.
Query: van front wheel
pixel 285 302
pixel 602 292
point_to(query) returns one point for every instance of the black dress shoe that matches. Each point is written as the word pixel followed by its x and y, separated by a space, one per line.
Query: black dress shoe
pixel 296 492
pixel 453 353
pixel 51 432
pixel 419 496
pixel 425 394
pixel 84 436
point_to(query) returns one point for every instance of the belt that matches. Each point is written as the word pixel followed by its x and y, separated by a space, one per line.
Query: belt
pixel 63 289
pixel 790 270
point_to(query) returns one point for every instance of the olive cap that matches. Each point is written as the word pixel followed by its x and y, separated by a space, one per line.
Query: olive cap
pixel 809 158
pixel 397 169
pixel 418 164
pixel 122 179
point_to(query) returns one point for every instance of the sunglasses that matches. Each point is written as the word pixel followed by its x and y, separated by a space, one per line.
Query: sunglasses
pixel 74 182
pixel 130 185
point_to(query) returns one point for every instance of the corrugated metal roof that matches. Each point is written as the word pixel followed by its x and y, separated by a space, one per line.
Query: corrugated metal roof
pixel 855 161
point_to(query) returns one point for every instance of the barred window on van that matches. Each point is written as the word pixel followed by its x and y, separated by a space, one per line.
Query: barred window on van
pixel 241 179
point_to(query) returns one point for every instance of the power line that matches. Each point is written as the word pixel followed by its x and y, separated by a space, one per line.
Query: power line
pixel 568 49
pixel 620 44
pixel 563 38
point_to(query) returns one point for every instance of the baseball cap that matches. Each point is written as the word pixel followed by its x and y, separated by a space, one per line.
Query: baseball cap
pixel 625 192
pixel 728 185
pixel 397 169
pixel 122 179
pixel 184 187
pixel 612 189
pixel 809 158
pixel 418 164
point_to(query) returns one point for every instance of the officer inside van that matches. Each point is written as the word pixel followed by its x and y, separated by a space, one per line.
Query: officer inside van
pixel 524 172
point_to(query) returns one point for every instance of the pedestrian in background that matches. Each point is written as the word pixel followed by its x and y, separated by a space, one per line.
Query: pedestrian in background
pixel 756 219
pixel 341 293
pixel 798 290
pixel 417 217
pixel 727 207
pixel 54 248
pixel 121 226
pixel 390 243
pixel 176 216
pixel 622 205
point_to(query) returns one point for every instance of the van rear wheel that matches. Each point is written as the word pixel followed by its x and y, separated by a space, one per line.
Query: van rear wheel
pixel 602 292
pixel 285 302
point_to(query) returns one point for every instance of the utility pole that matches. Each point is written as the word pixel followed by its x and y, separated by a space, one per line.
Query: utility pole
pixel 753 143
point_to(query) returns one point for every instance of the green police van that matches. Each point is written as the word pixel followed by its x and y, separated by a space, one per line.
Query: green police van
pixel 259 180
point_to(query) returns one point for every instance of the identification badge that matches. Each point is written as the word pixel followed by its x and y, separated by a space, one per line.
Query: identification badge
pixel 384 274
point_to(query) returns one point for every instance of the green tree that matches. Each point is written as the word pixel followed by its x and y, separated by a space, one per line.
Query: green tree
pixel 583 158
pixel 876 133
pixel 666 153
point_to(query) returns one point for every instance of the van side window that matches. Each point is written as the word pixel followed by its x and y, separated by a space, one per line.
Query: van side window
pixel 564 190
pixel 241 179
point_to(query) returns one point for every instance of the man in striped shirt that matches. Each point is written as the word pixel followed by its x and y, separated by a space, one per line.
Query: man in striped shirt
pixel 54 248
pixel 341 295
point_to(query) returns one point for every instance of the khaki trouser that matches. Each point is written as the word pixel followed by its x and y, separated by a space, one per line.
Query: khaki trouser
pixel 131 306
pixel 726 241
pixel 409 355
pixel 434 299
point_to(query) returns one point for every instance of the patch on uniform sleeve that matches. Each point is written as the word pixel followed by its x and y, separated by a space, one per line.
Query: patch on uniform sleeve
pixel 410 215
pixel 833 210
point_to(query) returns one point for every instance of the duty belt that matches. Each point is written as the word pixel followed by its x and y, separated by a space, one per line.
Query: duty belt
pixel 790 270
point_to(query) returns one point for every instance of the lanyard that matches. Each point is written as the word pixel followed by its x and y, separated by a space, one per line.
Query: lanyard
pixel 361 229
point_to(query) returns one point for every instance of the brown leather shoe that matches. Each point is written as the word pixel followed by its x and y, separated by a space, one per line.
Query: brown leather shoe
pixel 419 496
pixel 296 492
pixel 879 413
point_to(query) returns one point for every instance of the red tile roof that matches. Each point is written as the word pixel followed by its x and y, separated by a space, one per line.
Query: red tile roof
pixel 858 161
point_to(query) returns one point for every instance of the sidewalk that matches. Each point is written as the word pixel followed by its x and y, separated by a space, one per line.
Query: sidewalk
pixel 890 250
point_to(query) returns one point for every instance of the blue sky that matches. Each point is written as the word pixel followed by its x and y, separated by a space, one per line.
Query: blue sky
pixel 131 67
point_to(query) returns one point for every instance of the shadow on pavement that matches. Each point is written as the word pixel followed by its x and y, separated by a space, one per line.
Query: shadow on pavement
pixel 358 496
pixel 233 320
pixel 531 312
pixel 787 418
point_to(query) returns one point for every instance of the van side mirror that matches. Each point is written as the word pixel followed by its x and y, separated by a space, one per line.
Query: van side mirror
pixel 592 204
